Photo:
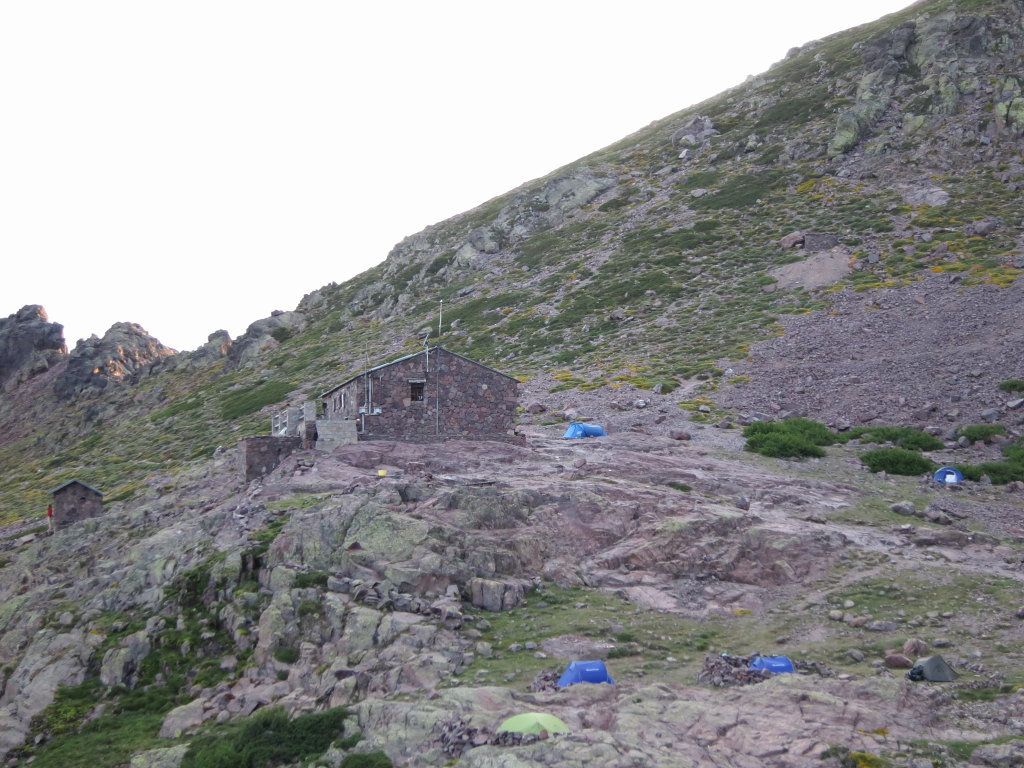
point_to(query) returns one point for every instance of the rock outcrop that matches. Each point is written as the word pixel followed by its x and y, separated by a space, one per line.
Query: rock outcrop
pixel 29 345
pixel 124 354
pixel 263 334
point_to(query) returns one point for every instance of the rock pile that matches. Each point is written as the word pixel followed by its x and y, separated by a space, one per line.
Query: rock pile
pixel 725 670
pixel 545 680
pixel 458 736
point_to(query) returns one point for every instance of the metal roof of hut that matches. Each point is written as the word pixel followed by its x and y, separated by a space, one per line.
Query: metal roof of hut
pixel 72 482
pixel 407 357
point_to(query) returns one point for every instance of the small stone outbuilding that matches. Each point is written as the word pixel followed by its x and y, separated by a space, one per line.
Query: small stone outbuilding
pixel 428 396
pixel 74 501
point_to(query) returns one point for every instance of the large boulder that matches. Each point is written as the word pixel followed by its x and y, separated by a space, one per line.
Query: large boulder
pixel 265 334
pixel 120 666
pixel 50 661
pixel 495 595
pixel 184 718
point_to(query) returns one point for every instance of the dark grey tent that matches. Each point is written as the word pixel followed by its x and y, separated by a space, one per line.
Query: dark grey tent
pixel 934 669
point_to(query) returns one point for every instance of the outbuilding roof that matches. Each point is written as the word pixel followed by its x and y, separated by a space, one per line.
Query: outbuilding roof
pixel 72 482
pixel 438 348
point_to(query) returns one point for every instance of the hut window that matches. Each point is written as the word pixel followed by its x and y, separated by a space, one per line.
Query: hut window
pixel 416 391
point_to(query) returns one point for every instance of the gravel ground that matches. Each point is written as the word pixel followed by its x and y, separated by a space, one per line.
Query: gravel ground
pixel 930 353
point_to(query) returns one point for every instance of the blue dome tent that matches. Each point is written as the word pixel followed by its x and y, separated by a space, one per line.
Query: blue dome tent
pixel 579 429
pixel 948 475
pixel 774 664
pixel 585 672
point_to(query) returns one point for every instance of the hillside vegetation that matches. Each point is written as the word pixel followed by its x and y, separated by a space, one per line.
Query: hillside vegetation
pixel 826 255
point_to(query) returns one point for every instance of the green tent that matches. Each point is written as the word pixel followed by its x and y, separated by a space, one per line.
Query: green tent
pixel 534 722
pixel 933 668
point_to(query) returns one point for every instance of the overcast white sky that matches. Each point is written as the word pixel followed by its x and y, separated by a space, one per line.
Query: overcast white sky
pixel 194 165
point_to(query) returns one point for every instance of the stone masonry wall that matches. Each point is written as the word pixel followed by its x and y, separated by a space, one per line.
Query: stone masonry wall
pixel 461 400
pixel 73 503
pixel 262 453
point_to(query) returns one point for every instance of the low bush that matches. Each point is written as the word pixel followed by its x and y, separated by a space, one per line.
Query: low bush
pixel 981 432
pixel 789 438
pixel 904 437
pixel 287 654
pixel 999 472
pixel 783 445
pixel 1015 451
pixel 366 760
pixel 1012 385
pixel 310 579
pixel 268 738
pixel 897 461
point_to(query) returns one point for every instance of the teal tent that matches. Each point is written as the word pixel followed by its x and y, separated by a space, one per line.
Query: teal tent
pixel 579 429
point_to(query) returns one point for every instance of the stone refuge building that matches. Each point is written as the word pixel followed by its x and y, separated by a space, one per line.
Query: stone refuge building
pixel 74 501
pixel 429 396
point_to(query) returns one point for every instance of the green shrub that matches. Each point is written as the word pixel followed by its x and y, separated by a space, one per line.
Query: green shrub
pixel 739 192
pixel 312 579
pixel 897 461
pixel 999 472
pixel 789 438
pixel 784 445
pixel 1014 451
pixel 905 437
pixel 287 654
pixel 1012 385
pixel 367 760
pixel 981 432
pixel 282 333
pixel 68 709
pixel 812 431
pixel 267 739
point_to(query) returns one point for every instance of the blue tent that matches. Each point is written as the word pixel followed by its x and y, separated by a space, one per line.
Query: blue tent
pixel 585 672
pixel 579 429
pixel 950 475
pixel 775 664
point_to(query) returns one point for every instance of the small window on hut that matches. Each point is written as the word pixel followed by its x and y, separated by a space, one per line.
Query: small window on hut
pixel 416 391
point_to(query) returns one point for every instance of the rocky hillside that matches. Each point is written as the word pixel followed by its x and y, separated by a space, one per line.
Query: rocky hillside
pixel 839 238
pixel 861 162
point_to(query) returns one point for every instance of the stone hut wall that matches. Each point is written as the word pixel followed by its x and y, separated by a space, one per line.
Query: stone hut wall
pixel 262 453
pixel 455 398
pixel 75 502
